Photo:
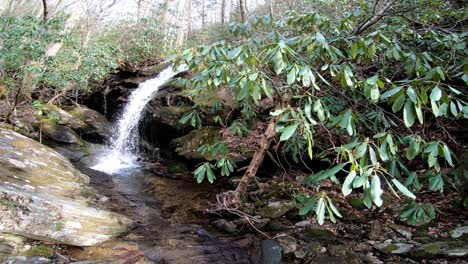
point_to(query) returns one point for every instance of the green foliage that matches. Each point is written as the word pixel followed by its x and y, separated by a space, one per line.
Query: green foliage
pixel 373 94
pixel 25 42
pixel 320 204
pixel 419 213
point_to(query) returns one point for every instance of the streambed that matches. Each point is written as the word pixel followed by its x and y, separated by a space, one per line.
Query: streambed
pixel 164 232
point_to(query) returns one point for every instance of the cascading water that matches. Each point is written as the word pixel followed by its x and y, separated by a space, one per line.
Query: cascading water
pixel 122 152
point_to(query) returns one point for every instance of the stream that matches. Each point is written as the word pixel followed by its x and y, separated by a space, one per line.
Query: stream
pixel 153 239
pixel 117 174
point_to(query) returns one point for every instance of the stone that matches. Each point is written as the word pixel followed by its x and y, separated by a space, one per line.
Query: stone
pixel 311 249
pixel 187 146
pixel 375 230
pixel 96 125
pixel 459 231
pixel 338 250
pixel 288 243
pixel 225 225
pixel 456 252
pixel 63 117
pixel 394 248
pixel 271 252
pixel 258 222
pixel 317 234
pixel 357 203
pixel 28 260
pixel 59 133
pixel 304 223
pixel 275 209
pixel 441 248
pixel 44 197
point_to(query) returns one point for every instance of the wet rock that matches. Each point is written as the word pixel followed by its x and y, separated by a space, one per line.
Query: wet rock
pixel 338 250
pixel 96 125
pixel 42 196
pixel 349 259
pixel 62 117
pixel 288 243
pixel 275 209
pixel 357 203
pixel 441 248
pixel 304 223
pixel 170 115
pixel 28 260
pixel 275 225
pixel 187 146
pixel 59 133
pixel 459 231
pixel 225 225
pixel 311 249
pixel 404 232
pixel 271 252
pixel 258 222
pixel 317 234
pixel 375 230
pixel 394 248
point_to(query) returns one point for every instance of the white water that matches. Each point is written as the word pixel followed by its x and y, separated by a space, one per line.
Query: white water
pixel 122 152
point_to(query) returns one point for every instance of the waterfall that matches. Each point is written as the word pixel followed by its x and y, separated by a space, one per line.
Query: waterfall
pixel 123 149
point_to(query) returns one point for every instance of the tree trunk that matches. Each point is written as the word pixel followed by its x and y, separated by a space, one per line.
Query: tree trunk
pixel 257 159
pixel 270 7
pixel 242 10
pixel 46 10
pixel 223 11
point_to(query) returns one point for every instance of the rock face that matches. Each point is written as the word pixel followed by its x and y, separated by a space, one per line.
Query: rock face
pixel 42 196
pixel 96 125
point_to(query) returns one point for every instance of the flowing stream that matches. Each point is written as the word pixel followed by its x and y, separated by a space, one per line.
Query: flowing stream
pixel 123 150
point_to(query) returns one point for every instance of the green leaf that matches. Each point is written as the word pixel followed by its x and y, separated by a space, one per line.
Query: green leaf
pixel 376 191
pixel 361 150
pixel 277 112
pixel 372 155
pixel 288 131
pixel 412 95
pixel 320 211
pixel 348 183
pixel 266 89
pixel 320 39
pixel 409 114
pixel 447 155
pixel 334 209
pixel 398 104
pixel 436 94
pixel 413 149
pixel 234 53
pixel 348 75
pixel 325 174
pixel 403 189
pixel 308 206
pixel 292 76
pixel 390 93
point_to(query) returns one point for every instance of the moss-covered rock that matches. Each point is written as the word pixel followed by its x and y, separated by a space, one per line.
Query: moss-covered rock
pixel 451 248
pixel 275 209
pixel 96 125
pixel 187 146
pixel 42 196
pixel 39 251
pixel 317 234
pixel 59 133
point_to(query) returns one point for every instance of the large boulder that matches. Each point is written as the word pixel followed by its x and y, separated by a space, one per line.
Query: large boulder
pixel 43 197
pixel 96 125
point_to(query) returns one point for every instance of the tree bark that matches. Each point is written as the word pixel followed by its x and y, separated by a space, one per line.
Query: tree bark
pixel 257 159
pixel 46 10
pixel 223 11
pixel 242 10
